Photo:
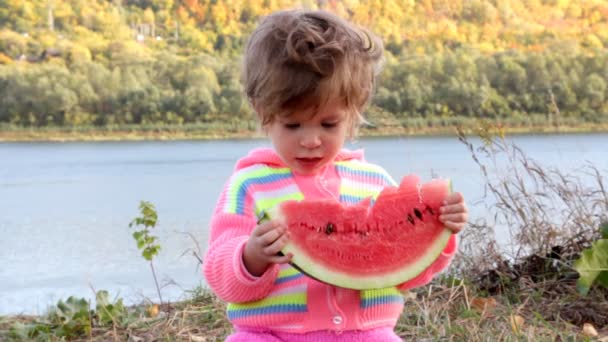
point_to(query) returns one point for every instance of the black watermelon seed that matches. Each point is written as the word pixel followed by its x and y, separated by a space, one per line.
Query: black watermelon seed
pixel 429 210
pixel 418 213
pixel 410 218
pixel 329 228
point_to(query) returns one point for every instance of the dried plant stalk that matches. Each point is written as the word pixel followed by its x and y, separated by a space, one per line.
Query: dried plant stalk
pixel 545 210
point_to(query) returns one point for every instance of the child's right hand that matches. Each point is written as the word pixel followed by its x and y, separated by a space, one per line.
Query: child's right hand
pixel 262 248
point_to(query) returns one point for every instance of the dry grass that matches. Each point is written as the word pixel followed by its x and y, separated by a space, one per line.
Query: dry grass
pixel 550 215
pixel 439 312
pixel 464 313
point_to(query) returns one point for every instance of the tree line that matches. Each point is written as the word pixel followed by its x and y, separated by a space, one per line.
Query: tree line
pixel 70 63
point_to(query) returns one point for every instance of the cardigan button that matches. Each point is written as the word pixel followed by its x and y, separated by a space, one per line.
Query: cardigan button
pixel 337 320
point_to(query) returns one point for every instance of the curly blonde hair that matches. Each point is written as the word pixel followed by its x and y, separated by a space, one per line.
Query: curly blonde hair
pixel 301 59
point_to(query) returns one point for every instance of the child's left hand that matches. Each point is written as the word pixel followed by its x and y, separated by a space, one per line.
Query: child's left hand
pixel 454 212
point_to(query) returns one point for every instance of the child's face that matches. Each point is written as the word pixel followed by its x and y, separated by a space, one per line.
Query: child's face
pixel 307 143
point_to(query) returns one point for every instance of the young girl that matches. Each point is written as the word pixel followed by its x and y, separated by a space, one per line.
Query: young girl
pixel 308 76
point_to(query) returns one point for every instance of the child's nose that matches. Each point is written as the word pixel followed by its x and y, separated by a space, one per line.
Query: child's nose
pixel 310 140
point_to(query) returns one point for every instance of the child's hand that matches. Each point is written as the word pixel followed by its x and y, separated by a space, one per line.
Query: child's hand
pixel 262 248
pixel 454 212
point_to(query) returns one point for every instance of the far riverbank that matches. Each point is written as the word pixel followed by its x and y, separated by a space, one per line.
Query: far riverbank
pixel 201 132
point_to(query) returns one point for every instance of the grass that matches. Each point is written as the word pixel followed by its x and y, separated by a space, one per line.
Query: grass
pixel 448 310
pixel 200 318
pixel 467 313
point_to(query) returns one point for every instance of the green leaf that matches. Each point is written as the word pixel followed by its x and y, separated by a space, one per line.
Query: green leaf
pixel 149 222
pixel 109 313
pixel 148 217
pixel 71 318
pixel 592 265
pixel 147 254
pixel 604 230
pixel 102 297
pixel 137 235
pixel 602 279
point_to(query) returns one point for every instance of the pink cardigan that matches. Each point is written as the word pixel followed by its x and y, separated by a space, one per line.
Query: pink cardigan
pixel 283 299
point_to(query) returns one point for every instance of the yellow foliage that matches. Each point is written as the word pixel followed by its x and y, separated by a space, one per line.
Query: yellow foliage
pixel 92 40
pixel 592 41
pixel 79 53
pixel 219 13
pixel 129 52
pixel 57 61
pixel 12 42
pixel 486 47
pixel 595 17
pixel 149 16
pixel 47 39
pixel 563 3
pixel 4 59
pixel 430 22
pixel 198 40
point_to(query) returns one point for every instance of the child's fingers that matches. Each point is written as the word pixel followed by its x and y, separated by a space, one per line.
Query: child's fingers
pixel 453 198
pixel 453 226
pixel 454 208
pixel 276 246
pixel 265 227
pixel 457 218
pixel 271 236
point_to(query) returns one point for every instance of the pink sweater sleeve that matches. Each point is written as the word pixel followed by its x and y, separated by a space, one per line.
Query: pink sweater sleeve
pixel 223 263
pixel 437 266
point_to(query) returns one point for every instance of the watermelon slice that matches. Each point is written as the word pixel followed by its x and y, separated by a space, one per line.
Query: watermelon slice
pixel 365 246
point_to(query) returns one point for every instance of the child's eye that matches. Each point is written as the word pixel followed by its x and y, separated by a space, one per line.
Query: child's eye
pixel 292 125
pixel 329 124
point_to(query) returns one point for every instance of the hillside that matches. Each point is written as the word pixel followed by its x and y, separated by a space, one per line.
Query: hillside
pixel 74 63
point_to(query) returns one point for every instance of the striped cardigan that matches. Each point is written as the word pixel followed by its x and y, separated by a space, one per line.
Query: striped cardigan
pixel 283 299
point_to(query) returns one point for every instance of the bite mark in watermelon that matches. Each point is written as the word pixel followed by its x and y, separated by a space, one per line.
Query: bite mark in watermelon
pixel 365 246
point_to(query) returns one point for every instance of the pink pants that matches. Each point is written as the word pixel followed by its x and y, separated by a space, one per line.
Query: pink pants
pixel 374 335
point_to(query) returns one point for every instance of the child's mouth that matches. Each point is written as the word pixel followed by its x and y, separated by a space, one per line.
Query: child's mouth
pixel 309 162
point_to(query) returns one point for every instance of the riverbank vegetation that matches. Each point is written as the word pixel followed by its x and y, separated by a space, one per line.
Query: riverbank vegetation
pixel 548 283
pixel 126 66
pixel 381 124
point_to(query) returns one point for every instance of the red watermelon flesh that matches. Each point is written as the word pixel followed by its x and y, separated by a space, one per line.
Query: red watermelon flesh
pixel 365 246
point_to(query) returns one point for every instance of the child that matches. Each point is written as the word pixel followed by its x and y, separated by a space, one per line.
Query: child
pixel 308 76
